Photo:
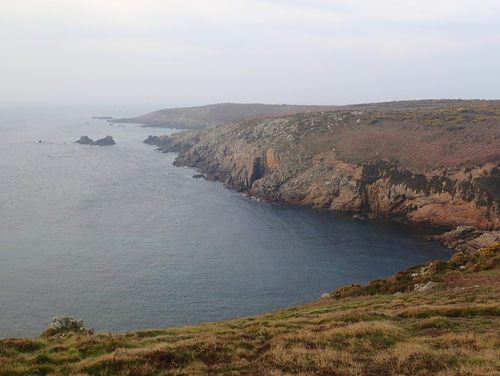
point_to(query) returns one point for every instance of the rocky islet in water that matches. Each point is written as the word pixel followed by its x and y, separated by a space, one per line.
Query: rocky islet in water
pixel 106 141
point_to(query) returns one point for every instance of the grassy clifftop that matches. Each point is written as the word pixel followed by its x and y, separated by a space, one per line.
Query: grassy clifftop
pixel 451 329
pixel 424 112
pixel 201 116
pixel 422 134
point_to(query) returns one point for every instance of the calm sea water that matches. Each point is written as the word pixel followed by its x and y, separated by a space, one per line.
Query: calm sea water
pixel 121 238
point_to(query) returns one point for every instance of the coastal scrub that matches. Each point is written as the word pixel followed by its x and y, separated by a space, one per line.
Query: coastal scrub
pixel 452 329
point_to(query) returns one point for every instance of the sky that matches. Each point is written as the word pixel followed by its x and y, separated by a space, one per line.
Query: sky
pixel 196 52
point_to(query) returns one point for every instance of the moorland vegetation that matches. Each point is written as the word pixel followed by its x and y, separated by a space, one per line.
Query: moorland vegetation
pixel 382 328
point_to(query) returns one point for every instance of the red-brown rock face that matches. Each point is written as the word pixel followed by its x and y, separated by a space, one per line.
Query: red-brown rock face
pixel 295 159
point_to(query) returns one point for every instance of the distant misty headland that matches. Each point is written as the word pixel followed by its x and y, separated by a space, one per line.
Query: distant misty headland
pixel 200 116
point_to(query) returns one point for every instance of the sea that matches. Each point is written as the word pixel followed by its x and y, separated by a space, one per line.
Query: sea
pixel 121 238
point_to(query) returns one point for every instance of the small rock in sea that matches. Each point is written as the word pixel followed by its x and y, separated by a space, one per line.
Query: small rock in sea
pixel 358 217
pixel 106 141
pixel 152 140
pixel 419 287
pixel 84 140
pixel 199 176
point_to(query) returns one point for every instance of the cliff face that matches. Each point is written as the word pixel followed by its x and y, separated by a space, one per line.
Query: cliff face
pixel 321 160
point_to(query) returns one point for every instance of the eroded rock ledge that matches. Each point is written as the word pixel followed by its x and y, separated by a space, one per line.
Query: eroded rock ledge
pixel 468 239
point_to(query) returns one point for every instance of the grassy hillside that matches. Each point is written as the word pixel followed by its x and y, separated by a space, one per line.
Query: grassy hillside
pixel 201 116
pixel 421 134
pixel 452 329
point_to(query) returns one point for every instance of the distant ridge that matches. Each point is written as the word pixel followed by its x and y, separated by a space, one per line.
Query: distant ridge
pixel 201 116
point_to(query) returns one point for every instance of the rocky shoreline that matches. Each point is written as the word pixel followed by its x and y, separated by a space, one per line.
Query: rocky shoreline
pixel 468 239
pixel 296 159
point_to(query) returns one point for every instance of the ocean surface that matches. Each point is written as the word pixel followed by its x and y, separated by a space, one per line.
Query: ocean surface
pixel 121 238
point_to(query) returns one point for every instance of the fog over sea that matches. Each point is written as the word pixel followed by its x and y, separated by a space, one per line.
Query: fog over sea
pixel 121 238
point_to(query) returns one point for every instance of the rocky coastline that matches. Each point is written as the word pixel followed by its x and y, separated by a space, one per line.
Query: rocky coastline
pixel 311 159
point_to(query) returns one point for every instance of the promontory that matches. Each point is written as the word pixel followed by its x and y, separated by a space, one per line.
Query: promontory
pixel 430 162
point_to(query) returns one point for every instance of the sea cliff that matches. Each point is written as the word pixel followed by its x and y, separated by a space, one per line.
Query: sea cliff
pixel 428 162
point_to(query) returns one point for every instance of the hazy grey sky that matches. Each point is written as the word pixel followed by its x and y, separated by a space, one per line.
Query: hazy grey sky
pixel 187 52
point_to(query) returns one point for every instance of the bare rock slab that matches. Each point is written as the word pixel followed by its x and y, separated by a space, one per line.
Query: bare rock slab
pixel 420 287
pixel 62 324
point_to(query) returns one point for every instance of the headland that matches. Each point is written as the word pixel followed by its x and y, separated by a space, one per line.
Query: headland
pixel 431 163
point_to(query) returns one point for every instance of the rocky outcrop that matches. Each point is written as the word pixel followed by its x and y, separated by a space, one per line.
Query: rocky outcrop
pixel 84 140
pixel 296 159
pixel 152 140
pixel 106 141
pixel 59 325
pixel 421 287
pixel 442 196
pixel 182 141
pixel 468 239
pixel 65 322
